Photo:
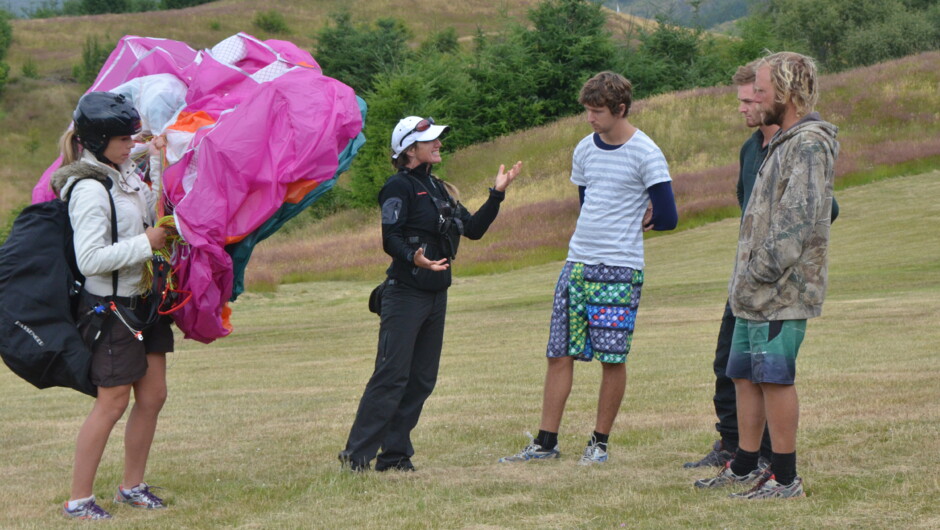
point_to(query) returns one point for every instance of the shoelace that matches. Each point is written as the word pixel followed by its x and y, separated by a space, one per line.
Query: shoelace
pixel 145 491
pixel 93 508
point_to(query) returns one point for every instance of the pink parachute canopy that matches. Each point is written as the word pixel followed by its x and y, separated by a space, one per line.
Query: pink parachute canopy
pixel 250 125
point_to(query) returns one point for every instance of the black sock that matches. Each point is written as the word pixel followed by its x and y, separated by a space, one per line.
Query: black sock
pixel 599 439
pixel 548 440
pixel 744 462
pixel 784 466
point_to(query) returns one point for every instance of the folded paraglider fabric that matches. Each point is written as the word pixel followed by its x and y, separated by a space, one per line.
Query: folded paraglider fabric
pixel 255 133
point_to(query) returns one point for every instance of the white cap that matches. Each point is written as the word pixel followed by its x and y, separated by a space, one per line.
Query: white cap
pixel 404 134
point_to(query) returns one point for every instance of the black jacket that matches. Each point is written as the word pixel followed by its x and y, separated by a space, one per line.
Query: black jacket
pixel 413 203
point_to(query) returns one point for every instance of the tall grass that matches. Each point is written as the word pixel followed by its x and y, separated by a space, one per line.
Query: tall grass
pixel 249 436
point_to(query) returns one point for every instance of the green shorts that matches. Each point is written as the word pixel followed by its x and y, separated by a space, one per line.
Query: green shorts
pixel 765 352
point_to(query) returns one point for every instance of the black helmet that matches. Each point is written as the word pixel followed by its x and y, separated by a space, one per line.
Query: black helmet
pixel 101 115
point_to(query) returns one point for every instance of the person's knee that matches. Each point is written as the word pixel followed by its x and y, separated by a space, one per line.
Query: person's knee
pixel 560 363
pixel 111 408
pixel 152 400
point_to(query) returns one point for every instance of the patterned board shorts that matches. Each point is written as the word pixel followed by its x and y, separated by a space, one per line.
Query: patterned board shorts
pixel 594 312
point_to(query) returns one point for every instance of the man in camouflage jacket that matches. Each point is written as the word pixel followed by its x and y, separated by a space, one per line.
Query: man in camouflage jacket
pixel 779 278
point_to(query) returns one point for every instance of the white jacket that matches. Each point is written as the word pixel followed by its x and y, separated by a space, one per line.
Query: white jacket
pixel 90 214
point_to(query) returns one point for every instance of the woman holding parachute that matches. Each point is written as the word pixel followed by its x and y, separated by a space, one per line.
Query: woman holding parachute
pixel 111 210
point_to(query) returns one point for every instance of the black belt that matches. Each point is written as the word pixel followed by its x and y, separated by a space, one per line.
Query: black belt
pixel 129 302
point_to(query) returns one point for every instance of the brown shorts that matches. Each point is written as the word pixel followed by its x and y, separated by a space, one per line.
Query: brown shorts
pixel 119 358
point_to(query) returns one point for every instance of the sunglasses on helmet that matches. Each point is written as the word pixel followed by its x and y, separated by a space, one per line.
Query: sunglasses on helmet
pixel 422 126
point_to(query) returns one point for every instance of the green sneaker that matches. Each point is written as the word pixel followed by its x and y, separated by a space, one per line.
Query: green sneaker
pixel 771 489
pixel 726 477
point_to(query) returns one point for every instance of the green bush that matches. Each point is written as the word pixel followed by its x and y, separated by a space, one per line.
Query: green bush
pixel 902 33
pixel 29 69
pixel 97 7
pixel 357 54
pixel 271 21
pixel 6 33
pixel 182 4
pixel 93 57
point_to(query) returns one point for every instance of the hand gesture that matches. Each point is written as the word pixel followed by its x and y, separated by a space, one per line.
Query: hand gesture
pixel 504 178
pixel 425 263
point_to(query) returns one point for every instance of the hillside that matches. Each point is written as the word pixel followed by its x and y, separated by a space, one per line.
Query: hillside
pixel 35 111
pixel 885 129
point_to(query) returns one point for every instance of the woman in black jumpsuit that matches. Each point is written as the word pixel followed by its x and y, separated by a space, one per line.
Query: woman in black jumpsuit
pixel 421 226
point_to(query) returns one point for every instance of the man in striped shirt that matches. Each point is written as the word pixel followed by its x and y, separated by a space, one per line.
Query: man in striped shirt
pixel 619 172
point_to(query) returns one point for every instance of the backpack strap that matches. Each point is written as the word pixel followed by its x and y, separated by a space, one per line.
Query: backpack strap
pixel 114 232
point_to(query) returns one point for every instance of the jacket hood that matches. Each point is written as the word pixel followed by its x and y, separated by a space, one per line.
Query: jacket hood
pixel 811 123
pixel 65 177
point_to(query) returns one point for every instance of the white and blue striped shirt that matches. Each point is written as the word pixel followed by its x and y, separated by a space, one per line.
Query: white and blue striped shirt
pixel 615 178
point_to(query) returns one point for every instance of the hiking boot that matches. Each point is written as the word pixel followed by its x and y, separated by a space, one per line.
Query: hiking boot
pixel 402 465
pixel 769 488
pixel 717 457
pixel 87 510
pixel 593 454
pixel 726 477
pixel 533 451
pixel 139 496
pixel 346 463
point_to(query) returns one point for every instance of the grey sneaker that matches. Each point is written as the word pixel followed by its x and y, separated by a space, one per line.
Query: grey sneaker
pixel 593 454
pixel 533 451
pixel 86 510
pixel 769 488
pixel 140 496
pixel 726 477
pixel 717 457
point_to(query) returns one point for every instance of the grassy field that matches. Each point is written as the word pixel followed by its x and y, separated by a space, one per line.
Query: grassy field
pixel 250 433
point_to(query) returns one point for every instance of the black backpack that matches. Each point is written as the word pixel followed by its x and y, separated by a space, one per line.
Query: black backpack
pixel 39 293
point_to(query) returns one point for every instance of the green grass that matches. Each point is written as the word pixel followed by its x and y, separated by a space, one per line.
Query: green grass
pixel 250 433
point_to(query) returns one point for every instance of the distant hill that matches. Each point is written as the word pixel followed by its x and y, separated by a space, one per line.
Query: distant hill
pixel 22 8
pixel 711 13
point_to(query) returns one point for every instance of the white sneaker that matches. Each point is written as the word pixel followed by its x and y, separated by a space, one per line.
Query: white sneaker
pixel 593 454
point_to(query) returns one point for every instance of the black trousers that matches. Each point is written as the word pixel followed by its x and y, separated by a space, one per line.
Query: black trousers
pixel 725 402
pixel 409 352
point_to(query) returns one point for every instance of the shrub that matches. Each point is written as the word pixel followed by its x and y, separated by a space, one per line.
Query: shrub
pixel 182 4
pixel 93 57
pixel 30 70
pixel 356 54
pixel 97 7
pixel 271 21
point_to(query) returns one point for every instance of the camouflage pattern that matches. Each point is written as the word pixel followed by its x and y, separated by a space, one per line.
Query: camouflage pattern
pixel 780 272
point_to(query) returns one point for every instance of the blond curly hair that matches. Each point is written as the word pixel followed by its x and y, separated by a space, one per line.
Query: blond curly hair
pixel 794 79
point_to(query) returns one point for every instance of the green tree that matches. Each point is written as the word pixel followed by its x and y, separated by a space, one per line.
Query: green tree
pixel 567 45
pixel 356 54
pixel 182 4
pixel 6 38
pixel 97 7
pixel 902 33
pixel 94 55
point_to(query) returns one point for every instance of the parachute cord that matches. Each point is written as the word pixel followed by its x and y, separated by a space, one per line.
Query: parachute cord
pixel 174 242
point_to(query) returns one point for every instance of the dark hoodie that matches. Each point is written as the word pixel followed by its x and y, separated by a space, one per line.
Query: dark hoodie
pixel 781 268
